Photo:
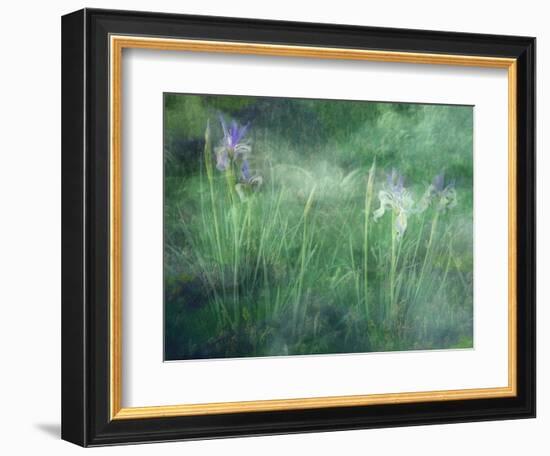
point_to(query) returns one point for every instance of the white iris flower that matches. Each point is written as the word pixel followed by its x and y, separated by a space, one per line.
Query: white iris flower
pixel 397 198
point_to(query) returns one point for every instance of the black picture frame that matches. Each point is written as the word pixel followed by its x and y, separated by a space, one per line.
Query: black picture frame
pixel 85 224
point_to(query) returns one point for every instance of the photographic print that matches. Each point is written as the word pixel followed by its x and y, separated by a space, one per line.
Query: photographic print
pixel 311 226
pixel 229 220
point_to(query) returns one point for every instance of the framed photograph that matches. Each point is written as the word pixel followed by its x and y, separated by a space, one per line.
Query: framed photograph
pixel 278 227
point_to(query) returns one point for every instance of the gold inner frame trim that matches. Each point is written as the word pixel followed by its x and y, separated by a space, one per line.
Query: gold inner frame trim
pixel 117 44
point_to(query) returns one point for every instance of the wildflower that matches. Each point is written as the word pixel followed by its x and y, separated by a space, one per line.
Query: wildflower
pixel 394 181
pixel 442 194
pixel 245 171
pixel 234 154
pixel 397 198
pixel 248 182
pixel 234 144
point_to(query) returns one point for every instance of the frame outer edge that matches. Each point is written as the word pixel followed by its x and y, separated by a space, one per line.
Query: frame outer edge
pixel 90 409
pixel 73 302
pixel 533 322
pixel 527 144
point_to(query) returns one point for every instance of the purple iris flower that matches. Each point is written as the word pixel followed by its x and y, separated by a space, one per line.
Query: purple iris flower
pixel 438 183
pixel 395 181
pixel 233 146
pixel 233 134
pixel 441 192
pixel 245 171
pixel 396 198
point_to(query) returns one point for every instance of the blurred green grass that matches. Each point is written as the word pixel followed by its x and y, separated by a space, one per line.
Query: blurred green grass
pixel 273 281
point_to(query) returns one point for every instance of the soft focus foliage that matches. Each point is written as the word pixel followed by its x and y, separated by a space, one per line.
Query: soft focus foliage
pixel 307 226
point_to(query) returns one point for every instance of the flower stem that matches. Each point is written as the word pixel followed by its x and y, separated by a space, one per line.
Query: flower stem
pixel 427 255
pixel 368 201
pixel 210 177
pixel 393 265
pixel 303 260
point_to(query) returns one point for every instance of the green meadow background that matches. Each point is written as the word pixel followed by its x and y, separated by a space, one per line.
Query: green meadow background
pixel 301 266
